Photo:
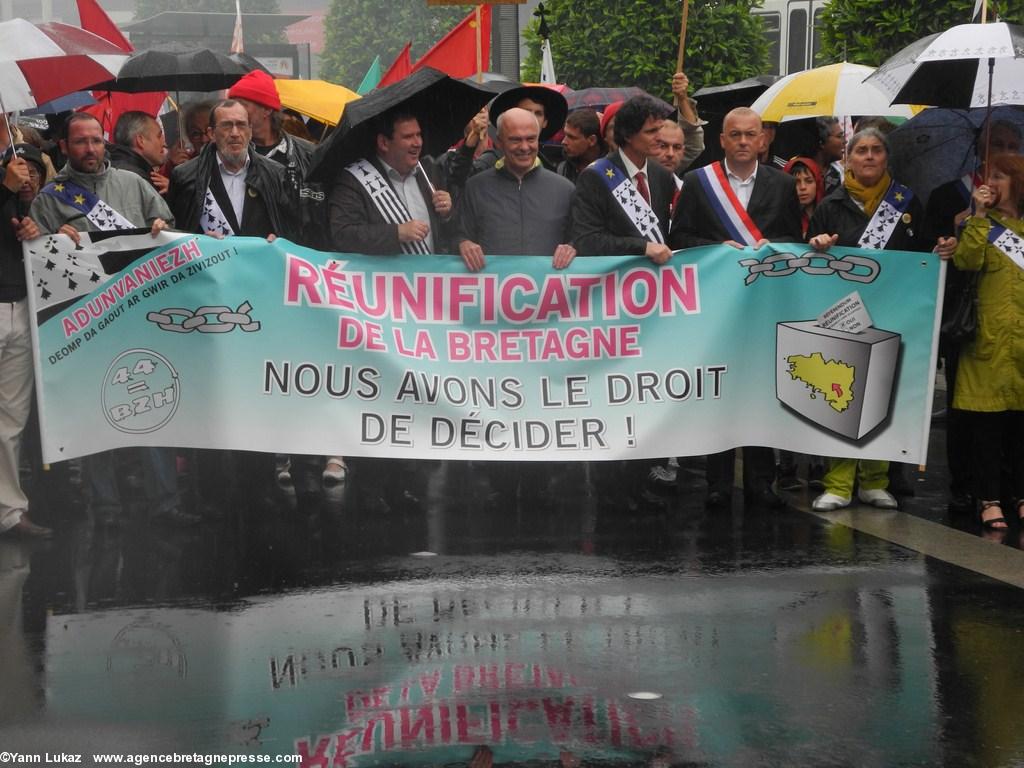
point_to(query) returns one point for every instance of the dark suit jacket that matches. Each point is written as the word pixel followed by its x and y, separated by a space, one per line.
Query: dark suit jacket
pixel 599 225
pixel 773 207
pixel 357 226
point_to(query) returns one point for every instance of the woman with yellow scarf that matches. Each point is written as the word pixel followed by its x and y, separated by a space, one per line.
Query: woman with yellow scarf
pixel 847 217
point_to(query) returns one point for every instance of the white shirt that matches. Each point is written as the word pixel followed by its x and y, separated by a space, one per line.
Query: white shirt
pixel 408 190
pixel 743 188
pixel 234 185
pixel 632 170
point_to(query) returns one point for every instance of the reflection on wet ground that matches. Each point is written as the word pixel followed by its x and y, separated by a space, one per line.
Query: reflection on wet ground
pixel 423 609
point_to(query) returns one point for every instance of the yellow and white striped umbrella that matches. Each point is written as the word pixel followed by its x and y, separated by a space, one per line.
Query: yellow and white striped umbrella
pixel 837 89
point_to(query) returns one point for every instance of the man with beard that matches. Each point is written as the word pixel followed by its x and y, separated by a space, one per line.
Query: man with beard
pixel 581 143
pixel 229 189
pixel 385 204
pixel 89 195
pixel 22 178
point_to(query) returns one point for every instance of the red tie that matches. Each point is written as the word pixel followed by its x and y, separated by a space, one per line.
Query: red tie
pixel 641 187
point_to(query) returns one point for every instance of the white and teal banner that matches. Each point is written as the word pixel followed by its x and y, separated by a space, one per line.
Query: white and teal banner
pixel 191 341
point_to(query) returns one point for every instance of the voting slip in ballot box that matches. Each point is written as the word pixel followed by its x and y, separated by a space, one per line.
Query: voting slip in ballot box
pixel 840 380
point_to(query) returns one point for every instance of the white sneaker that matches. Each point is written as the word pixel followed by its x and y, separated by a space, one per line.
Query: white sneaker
pixel 878 497
pixel 829 501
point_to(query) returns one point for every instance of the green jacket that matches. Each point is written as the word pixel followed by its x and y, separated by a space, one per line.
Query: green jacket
pixel 991 373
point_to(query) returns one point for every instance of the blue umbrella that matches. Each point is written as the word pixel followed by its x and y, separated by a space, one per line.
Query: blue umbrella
pixel 63 104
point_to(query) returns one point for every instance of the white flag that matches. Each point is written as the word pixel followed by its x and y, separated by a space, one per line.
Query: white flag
pixel 236 38
pixel 547 65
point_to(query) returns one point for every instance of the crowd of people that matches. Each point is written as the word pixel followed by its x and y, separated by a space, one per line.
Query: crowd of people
pixel 620 183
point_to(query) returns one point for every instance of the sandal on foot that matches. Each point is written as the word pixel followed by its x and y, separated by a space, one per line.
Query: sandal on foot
pixel 335 472
pixel 993 523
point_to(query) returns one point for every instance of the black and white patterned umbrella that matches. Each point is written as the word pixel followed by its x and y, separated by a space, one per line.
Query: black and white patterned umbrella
pixel 956 68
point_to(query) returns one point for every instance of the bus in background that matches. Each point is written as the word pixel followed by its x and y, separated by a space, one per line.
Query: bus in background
pixel 793 29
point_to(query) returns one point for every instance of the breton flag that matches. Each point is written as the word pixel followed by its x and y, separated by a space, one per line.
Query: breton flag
pixel 236 38
pixel 547 64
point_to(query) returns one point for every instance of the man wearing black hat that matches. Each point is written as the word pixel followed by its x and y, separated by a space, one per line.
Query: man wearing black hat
pixel 22 178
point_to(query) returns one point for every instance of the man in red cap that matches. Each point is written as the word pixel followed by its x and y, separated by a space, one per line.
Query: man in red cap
pixel 258 94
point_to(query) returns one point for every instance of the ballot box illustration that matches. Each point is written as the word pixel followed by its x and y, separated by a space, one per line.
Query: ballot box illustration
pixel 840 380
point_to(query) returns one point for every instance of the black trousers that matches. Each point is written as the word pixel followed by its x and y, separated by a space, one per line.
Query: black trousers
pixel 997 443
pixel 758 469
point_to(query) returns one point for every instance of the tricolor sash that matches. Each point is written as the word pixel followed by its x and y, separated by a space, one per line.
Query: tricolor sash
pixel 101 215
pixel 387 201
pixel 212 219
pixel 632 203
pixel 731 213
pixel 1007 241
pixel 888 214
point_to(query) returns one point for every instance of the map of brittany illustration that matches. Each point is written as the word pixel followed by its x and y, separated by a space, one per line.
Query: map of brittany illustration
pixel 832 379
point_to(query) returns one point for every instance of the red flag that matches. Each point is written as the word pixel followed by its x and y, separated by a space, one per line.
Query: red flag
pixel 94 19
pixel 400 67
pixel 111 105
pixel 455 53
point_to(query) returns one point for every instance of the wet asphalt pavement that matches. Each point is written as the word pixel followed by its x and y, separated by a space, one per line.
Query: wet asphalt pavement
pixel 421 610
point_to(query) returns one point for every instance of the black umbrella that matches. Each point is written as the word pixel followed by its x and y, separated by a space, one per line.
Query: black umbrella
pixel 939 145
pixel 201 70
pixel 719 99
pixel 598 98
pixel 442 105
pixel 248 63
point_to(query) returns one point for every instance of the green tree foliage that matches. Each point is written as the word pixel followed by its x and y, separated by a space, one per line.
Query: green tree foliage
pixel 635 42
pixel 358 30
pixel 870 31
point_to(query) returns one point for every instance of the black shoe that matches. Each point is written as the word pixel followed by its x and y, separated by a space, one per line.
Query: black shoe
pixel 788 481
pixel 766 498
pixel 961 503
pixel 717 500
pixel 25 528
pixel 816 477
pixel 178 517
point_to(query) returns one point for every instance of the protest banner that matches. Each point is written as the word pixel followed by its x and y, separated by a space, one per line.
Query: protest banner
pixel 195 342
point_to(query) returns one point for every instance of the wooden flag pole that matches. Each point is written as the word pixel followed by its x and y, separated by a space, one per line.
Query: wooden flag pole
pixel 682 36
pixel 479 48
pixel 984 11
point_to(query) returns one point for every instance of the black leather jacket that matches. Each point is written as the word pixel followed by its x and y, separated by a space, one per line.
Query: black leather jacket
pixel 266 179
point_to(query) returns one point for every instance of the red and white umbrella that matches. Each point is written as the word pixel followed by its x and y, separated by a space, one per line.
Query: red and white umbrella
pixel 40 62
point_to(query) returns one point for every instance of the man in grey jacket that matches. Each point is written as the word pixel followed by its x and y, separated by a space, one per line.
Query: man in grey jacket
pixel 518 206
pixel 89 195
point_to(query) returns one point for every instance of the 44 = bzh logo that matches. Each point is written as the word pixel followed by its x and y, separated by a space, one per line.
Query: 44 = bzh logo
pixel 140 391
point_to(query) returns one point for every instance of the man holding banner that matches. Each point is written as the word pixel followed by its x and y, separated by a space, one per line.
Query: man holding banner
pixel 229 189
pixel 385 204
pixel 742 204
pixel 89 195
pixel 622 201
